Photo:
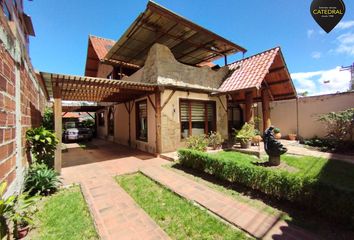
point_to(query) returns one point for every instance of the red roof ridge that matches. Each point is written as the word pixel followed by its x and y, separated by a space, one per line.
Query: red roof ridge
pixel 106 39
pixel 255 55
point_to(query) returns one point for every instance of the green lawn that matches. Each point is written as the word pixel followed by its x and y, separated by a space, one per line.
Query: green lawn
pixel 63 215
pixel 179 218
pixel 340 174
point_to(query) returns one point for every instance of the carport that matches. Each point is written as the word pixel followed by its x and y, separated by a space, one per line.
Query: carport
pixel 100 90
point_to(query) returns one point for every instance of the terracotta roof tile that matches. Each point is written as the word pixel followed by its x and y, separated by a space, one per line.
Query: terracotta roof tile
pixel 101 45
pixel 249 72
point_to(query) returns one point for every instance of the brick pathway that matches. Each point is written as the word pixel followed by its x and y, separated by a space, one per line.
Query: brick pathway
pixel 115 213
pixel 251 220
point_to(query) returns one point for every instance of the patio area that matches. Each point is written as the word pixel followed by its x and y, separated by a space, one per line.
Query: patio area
pixel 116 214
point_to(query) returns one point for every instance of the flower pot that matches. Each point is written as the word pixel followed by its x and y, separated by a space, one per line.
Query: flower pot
pixel 277 135
pixel 22 232
pixel 292 137
pixel 256 140
pixel 245 144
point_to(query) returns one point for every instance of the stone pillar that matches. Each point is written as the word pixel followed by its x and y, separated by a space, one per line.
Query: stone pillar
pixel 158 121
pixel 57 128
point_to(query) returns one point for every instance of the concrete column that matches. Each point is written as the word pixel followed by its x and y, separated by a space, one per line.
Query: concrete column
pixel 158 121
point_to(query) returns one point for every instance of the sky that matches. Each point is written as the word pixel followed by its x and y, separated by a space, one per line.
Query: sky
pixel 314 58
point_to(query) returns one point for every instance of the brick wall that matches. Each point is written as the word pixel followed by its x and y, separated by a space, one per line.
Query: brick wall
pixel 22 102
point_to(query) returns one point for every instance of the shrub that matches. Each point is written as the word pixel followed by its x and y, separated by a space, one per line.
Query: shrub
pixel 199 142
pixel 246 133
pixel 304 190
pixel 339 125
pixel 41 180
pixel 42 144
pixel 276 130
pixel 215 140
pixel 88 123
pixel 48 119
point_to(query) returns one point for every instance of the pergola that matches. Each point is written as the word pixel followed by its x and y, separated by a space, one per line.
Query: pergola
pixel 78 88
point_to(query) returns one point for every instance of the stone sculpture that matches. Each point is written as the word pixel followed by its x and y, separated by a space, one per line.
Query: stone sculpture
pixel 273 147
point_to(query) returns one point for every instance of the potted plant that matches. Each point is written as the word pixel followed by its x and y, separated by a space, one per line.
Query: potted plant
pixel 6 208
pixel 277 133
pixel 21 214
pixel 245 135
pixel 215 140
pixel 292 136
pixel 256 139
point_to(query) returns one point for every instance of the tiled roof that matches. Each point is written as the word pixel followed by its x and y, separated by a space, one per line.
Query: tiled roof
pixel 101 45
pixel 249 72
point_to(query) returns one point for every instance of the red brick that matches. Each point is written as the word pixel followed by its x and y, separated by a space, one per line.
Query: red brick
pixel 3 83
pixel 11 89
pixel 1 136
pixel 6 166
pixel 3 152
pixel 3 118
pixel 11 177
pixel 8 134
pixel 1 100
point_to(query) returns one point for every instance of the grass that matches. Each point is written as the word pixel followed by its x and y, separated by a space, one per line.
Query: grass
pixel 334 172
pixel 64 215
pixel 179 218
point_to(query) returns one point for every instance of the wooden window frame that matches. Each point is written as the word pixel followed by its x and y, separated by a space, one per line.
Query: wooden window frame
pixel 137 126
pixel 101 123
pixel 205 102
pixel 109 123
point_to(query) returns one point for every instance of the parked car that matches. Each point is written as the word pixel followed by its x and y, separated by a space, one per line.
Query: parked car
pixel 77 132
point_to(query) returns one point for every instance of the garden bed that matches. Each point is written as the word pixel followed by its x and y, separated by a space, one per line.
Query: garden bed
pixel 179 218
pixel 319 184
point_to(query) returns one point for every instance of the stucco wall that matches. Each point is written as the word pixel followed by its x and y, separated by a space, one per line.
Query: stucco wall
pixel 104 70
pixel 121 126
pixel 284 113
pixel 170 120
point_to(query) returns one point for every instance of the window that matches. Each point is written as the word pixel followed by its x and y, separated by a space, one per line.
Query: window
pixel 235 118
pixel 111 121
pixel 197 117
pixel 101 119
pixel 141 121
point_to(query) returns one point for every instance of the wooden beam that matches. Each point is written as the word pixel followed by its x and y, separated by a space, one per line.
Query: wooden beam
pixel 158 121
pixel 265 109
pixel 278 82
pixel 58 131
pixel 223 106
pixel 152 104
pixel 168 99
pixel 248 108
pixel 276 69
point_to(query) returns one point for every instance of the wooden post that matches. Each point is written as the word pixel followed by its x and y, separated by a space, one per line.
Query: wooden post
pixel 265 109
pixel 249 110
pixel 57 128
pixel 158 121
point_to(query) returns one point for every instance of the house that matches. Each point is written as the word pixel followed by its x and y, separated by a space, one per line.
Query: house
pixel 158 84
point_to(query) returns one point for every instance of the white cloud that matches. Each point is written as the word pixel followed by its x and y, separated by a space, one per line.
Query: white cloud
pixel 316 55
pixel 310 32
pixel 346 44
pixel 345 25
pixel 322 82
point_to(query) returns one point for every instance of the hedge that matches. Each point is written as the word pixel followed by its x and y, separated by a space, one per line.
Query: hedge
pixel 328 200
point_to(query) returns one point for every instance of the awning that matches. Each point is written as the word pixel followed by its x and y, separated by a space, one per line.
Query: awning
pixel 190 43
pixel 81 108
pixel 81 88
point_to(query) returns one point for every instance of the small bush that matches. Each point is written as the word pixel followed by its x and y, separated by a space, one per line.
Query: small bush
pixel 48 119
pixel 215 140
pixel 246 133
pixel 41 180
pixel 42 144
pixel 199 142
pixel 308 191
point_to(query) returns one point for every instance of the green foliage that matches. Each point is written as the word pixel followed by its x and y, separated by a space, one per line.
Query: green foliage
pixel 339 125
pixel 215 140
pixel 41 180
pixel 246 133
pixel 198 142
pixel 48 119
pixel 307 190
pixel 276 130
pixel 88 123
pixel 42 144
pixel 330 145
pixel 6 204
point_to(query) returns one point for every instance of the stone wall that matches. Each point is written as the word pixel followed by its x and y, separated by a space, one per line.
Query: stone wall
pixel 22 101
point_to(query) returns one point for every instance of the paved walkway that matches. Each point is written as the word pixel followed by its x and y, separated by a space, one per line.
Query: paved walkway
pixel 257 223
pixel 117 216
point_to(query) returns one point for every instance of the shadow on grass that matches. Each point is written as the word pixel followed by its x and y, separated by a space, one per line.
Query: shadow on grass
pixel 300 216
